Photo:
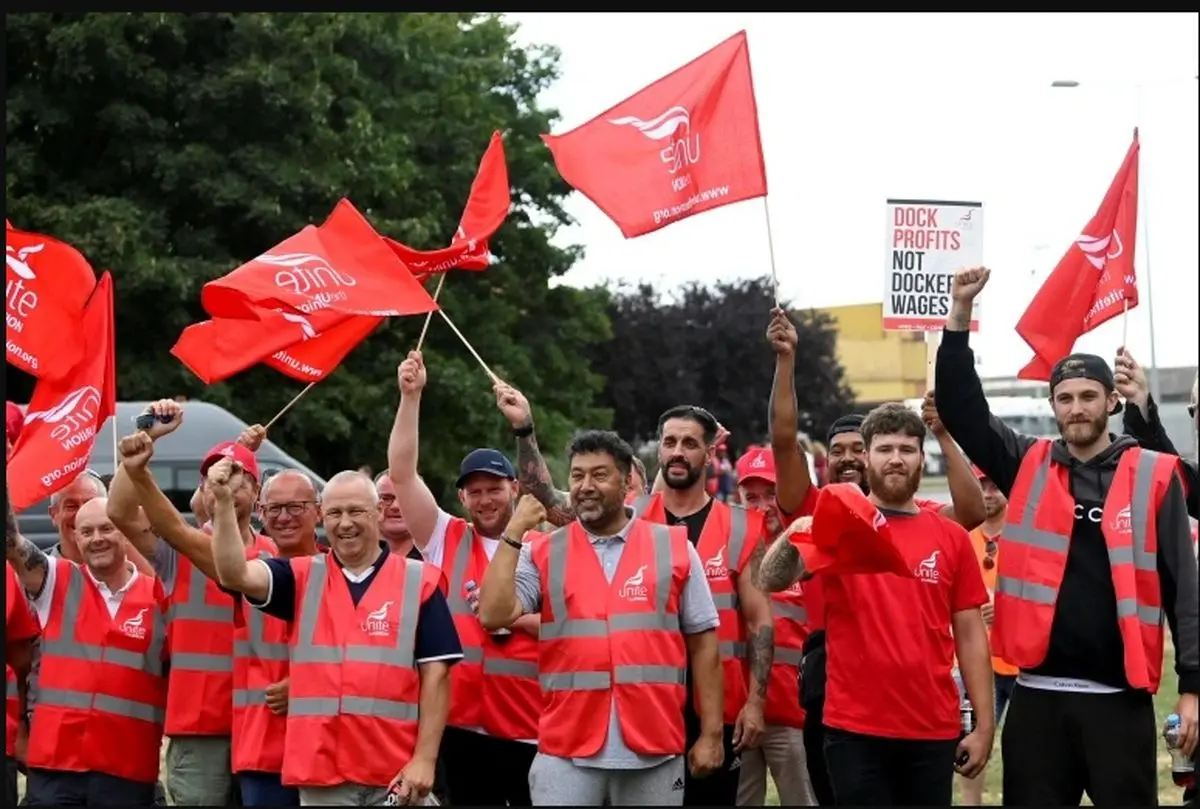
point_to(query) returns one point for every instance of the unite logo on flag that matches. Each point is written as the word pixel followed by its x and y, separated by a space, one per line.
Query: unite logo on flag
pixel 686 144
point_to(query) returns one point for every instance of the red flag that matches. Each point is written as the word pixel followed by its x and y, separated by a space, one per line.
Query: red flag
pixel 850 535
pixel 342 265
pixel 47 283
pixel 487 207
pixel 686 144
pixel 64 416
pixel 305 347
pixel 1094 281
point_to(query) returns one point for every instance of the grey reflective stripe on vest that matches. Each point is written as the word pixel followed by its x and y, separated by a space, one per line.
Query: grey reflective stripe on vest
pixel 640 505
pixel 255 647
pixel 1024 531
pixel 737 535
pixel 64 646
pixel 10 689
pixel 458 604
pixel 787 656
pixel 564 627
pixel 306 650
pixel 791 612
pixel 197 609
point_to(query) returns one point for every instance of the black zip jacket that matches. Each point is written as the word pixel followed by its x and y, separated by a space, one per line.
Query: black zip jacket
pixel 1150 433
pixel 1085 641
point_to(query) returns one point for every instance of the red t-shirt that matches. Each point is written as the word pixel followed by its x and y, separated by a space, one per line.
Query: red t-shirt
pixel 889 643
pixel 814 595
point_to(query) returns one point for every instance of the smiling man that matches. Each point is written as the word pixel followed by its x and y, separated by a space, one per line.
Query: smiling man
pixel 495 699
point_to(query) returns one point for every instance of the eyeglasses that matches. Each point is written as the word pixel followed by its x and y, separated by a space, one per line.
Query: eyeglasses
pixel 990 548
pixel 386 500
pixel 295 508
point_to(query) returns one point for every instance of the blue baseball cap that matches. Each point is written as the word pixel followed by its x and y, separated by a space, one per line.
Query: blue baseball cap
pixel 491 461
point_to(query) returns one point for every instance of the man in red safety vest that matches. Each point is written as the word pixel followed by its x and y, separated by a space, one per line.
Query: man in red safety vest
pixel 624 609
pixel 495 702
pixel 97 727
pixel 370 645
pixel 1095 557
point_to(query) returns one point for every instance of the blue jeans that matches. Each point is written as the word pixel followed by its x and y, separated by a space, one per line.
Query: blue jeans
pixel 266 789
pixel 1005 683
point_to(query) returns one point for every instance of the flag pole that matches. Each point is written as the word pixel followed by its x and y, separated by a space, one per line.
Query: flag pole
pixel 288 406
pixel 474 353
pixel 771 249
pixel 429 314
pixel 116 449
pixel 1144 219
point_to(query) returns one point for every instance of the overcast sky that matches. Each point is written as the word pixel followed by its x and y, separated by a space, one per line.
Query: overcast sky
pixel 857 108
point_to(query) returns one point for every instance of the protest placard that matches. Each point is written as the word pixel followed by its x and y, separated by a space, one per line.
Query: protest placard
pixel 927 242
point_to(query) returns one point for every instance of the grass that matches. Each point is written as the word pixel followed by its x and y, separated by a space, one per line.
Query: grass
pixel 1164 703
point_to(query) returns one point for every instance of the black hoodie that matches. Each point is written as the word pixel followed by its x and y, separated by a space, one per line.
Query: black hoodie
pixel 1085 641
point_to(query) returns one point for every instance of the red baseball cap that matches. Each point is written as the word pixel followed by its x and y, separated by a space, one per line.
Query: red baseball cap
pixel 14 421
pixel 758 462
pixel 234 450
pixel 979 473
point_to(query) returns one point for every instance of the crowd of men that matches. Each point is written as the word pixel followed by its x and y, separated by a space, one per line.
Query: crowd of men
pixel 624 641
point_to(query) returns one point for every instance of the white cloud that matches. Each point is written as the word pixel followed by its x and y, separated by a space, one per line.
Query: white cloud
pixel 856 108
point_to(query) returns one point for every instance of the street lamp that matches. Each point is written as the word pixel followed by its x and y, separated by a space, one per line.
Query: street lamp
pixel 1155 387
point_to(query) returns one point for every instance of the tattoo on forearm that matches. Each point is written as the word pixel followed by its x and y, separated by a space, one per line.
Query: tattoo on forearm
pixel 11 532
pixel 534 476
pixel 780 566
pixel 960 321
pixel 755 562
pixel 762 655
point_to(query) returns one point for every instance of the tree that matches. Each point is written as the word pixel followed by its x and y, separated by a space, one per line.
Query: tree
pixel 172 147
pixel 707 346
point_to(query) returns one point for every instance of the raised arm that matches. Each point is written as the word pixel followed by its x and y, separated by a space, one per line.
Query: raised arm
pixel 791 467
pixel 162 519
pixel 782 565
pixel 990 443
pixel 1141 419
pixel 532 471
pixel 27 559
pixel 417 503
pixel 233 570
pixel 966 495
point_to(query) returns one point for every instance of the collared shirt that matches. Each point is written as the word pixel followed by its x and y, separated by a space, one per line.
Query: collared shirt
pixel 112 598
pixel 437 638
pixel 697 613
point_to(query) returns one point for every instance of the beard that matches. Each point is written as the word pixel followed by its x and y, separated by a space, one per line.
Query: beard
pixel 892 488
pixel 686 482
pixel 1084 432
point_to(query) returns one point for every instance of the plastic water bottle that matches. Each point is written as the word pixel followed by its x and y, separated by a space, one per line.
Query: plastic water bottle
pixel 473 602
pixel 1183 769
pixel 966 715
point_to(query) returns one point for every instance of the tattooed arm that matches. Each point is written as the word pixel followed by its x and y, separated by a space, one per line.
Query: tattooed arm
pixel 755 606
pixel 26 558
pixel 782 564
pixel 532 471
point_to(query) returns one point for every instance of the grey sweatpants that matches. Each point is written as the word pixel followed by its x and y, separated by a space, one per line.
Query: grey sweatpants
pixel 555 781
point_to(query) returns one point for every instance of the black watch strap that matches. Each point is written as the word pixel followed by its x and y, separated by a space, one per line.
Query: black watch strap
pixel 523 432
pixel 514 543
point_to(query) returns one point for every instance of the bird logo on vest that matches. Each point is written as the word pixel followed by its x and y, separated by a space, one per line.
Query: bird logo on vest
pixel 377 623
pixel 927 569
pixel 135 627
pixel 635 588
pixel 1123 522
pixel 715 567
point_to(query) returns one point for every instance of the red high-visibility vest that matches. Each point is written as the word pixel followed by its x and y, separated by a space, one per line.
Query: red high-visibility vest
pixel 101 691
pixel 355 689
pixel 14 600
pixel 200 698
pixel 1036 536
pixel 726 544
pixel 495 686
pixel 260 659
pixel 791 628
pixel 603 641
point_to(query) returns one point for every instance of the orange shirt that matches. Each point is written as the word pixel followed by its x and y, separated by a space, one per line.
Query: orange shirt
pixel 979 542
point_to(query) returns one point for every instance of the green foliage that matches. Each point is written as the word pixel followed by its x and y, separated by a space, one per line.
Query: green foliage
pixel 172 147
pixel 707 346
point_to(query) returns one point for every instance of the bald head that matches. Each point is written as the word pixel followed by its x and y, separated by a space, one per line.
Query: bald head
pixel 299 485
pixel 92 511
pixel 353 483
